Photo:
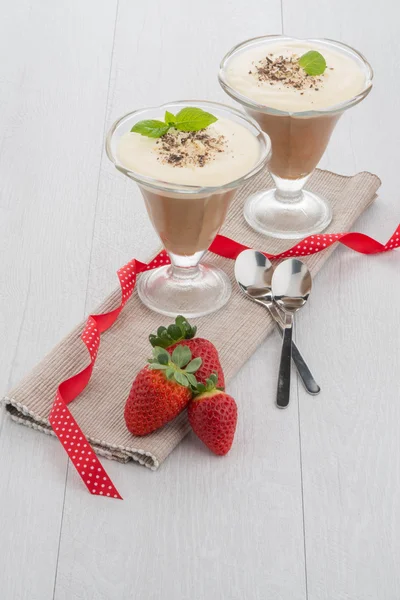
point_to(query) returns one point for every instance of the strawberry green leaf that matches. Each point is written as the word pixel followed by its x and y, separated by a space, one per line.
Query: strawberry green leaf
pixel 158 367
pixel 163 359
pixel 180 322
pixel 154 340
pixel 211 382
pixel 201 388
pixel 169 372
pixel 191 379
pixel 187 330
pixel 194 365
pixel 181 378
pixel 164 336
pixel 181 356
pixel 214 378
pixel 175 332
pixel 158 351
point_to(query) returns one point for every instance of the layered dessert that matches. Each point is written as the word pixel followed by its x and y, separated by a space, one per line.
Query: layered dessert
pixel 188 219
pixel 296 90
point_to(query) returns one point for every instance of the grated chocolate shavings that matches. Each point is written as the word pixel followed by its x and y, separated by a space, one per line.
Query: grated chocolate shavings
pixel 184 149
pixel 287 72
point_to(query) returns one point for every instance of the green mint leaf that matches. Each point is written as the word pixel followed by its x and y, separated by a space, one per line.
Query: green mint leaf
pixel 313 63
pixel 181 356
pixel 181 378
pixel 169 118
pixel 191 379
pixel 193 119
pixel 193 365
pixel 151 128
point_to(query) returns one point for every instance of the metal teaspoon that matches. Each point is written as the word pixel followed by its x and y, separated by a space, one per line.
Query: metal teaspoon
pixel 291 286
pixel 253 272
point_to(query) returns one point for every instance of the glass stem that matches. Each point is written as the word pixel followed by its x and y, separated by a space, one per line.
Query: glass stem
pixel 185 267
pixel 289 191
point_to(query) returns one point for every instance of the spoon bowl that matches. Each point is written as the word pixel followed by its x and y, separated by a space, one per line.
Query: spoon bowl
pixel 254 272
pixel 291 285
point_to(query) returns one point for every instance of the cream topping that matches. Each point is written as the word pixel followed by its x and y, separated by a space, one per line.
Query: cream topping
pixel 227 152
pixel 270 75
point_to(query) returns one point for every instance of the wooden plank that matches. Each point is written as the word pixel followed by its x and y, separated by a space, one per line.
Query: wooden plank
pixel 349 435
pixel 200 527
pixel 54 83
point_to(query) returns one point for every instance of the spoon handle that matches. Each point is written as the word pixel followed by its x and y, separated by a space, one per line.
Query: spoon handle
pixel 283 391
pixel 306 376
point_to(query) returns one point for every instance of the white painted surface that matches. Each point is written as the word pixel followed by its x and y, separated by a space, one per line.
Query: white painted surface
pixel 199 528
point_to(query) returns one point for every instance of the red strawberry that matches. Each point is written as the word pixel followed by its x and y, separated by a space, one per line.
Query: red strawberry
pixel 213 416
pixel 161 390
pixel 182 330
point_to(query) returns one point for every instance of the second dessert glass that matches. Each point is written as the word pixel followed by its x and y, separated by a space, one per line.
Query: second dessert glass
pixel 299 140
pixel 187 219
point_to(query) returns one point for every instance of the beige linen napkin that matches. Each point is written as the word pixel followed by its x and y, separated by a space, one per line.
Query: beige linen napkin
pixel 124 348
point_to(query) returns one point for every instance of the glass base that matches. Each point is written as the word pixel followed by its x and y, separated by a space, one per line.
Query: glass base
pixel 191 293
pixel 287 220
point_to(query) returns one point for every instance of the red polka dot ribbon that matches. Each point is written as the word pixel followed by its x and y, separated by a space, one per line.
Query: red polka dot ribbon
pixel 64 425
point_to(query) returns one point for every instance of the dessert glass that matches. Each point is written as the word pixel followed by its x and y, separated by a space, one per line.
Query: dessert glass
pixel 299 140
pixel 187 218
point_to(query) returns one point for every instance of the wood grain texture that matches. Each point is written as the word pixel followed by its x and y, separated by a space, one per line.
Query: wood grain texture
pixel 201 527
pixel 54 76
pixel 349 437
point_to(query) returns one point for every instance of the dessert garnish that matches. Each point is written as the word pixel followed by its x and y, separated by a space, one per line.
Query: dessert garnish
pixel 313 63
pixel 189 149
pixel 292 72
pixel 189 118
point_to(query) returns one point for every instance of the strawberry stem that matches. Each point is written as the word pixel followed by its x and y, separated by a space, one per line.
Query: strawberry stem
pixel 180 366
pixel 176 332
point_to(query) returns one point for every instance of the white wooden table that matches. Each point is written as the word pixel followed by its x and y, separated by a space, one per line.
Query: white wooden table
pixel 307 505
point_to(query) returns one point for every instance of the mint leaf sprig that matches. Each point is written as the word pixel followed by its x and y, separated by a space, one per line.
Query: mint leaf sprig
pixel 313 63
pixel 189 118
